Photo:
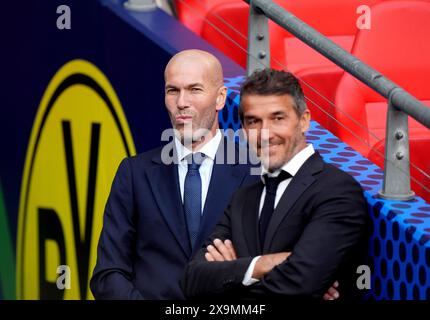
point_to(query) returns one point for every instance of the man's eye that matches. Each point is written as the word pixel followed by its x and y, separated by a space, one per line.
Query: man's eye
pixel 196 89
pixel 171 91
pixel 279 118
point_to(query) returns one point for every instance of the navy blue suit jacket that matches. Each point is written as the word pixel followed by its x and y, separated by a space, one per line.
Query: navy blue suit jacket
pixel 144 246
pixel 321 218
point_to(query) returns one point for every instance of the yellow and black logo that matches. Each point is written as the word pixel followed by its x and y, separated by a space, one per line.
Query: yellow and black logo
pixel 79 136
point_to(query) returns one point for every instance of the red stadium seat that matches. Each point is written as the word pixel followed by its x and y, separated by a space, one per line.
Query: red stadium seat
pixel 397 47
pixel 336 19
pixel 226 28
pixel 192 13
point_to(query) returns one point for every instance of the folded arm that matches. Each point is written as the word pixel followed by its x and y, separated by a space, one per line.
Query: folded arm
pixel 335 228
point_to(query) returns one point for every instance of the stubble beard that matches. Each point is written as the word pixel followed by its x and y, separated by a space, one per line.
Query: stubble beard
pixel 192 132
pixel 274 164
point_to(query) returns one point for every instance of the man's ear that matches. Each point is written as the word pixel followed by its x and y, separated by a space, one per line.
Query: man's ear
pixel 305 120
pixel 220 100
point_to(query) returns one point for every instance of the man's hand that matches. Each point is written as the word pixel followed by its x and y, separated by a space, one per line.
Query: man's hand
pixel 220 251
pixel 224 251
pixel 267 262
pixel 332 293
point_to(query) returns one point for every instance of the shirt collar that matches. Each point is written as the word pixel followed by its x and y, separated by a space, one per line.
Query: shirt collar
pixel 293 165
pixel 209 149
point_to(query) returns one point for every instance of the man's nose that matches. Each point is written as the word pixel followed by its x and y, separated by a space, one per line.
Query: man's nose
pixel 182 100
pixel 266 131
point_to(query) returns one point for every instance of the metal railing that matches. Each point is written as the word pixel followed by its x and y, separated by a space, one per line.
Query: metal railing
pixel 397 178
pixel 396 183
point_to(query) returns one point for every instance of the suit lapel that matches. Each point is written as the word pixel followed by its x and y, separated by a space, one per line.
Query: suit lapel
pixel 298 185
pixel 164 182
pixel 250 219
pixel 225 179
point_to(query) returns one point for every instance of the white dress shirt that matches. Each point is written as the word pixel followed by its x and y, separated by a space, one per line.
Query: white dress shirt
pixel 291 167
pixel 209 149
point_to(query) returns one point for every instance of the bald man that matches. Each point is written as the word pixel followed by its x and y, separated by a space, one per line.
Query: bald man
pixel 164 204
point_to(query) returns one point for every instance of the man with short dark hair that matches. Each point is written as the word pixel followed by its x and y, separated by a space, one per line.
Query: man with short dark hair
pixel 290 234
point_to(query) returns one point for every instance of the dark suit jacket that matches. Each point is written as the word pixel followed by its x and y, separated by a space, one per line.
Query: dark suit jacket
pixel 144 246
pixel 321 218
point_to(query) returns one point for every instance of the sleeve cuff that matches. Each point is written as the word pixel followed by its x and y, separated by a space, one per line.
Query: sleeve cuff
pixel 247 279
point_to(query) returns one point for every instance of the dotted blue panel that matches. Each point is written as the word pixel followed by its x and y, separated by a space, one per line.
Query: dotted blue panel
pixel 229 118
pixel 399 248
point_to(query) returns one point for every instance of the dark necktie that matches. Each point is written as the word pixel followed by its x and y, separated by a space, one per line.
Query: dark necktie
pixel 193 196
pixel 269 201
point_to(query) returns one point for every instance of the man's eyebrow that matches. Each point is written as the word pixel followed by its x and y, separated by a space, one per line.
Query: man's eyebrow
pixel 192 85
pixel 170 86
pixel 197 84
pixel 279 113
